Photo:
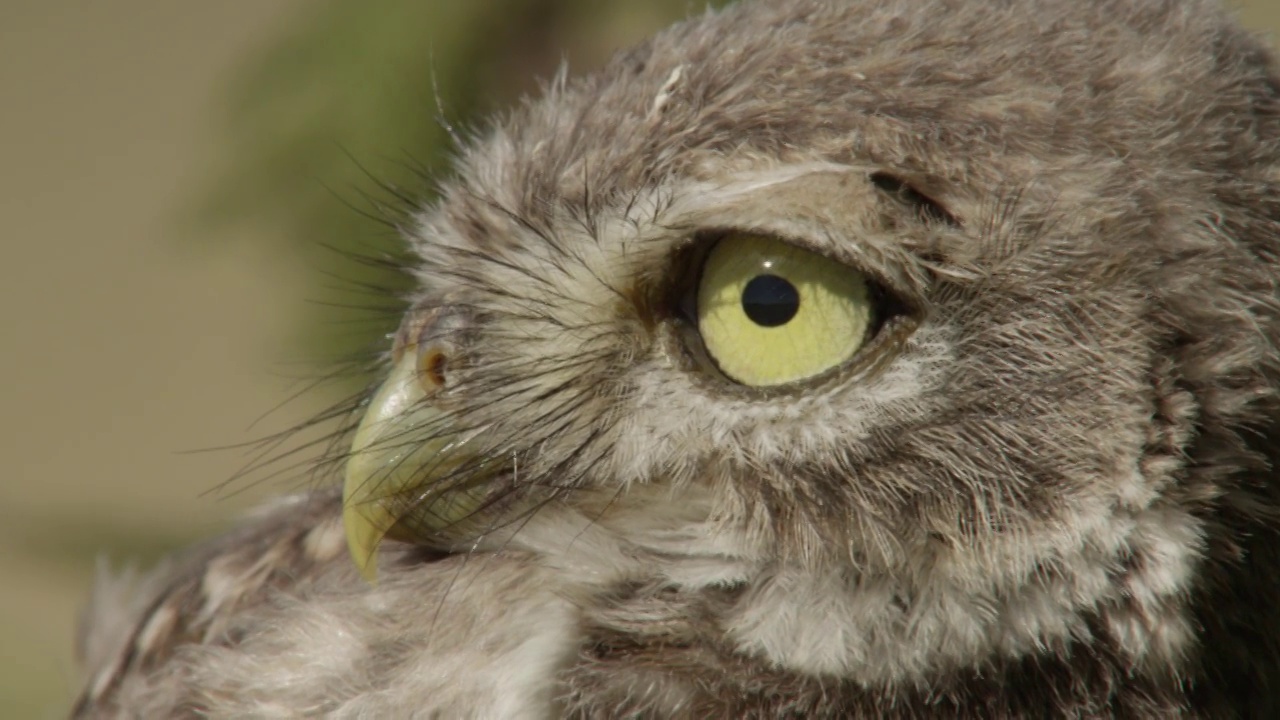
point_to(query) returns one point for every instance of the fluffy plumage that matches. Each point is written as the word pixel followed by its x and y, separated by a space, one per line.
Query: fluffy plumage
pixel 1051 495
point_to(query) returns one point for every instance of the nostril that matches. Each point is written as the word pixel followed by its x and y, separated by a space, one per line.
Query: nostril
pixel 432 364
pixel 431 337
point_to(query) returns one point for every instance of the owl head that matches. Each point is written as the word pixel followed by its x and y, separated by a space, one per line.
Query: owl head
pixel 948 324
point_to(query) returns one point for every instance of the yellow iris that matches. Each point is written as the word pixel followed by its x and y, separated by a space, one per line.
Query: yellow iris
pixel 771 313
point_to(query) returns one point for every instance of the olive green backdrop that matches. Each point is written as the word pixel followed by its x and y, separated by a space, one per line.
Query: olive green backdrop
pixel 189 192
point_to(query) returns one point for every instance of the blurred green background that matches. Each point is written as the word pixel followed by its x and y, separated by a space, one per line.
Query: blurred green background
pixel 187 189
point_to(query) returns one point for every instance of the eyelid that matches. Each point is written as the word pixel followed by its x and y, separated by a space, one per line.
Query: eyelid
pixel 688 260
pixel 895 298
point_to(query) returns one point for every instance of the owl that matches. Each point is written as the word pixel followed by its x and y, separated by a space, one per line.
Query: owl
pixel 815 358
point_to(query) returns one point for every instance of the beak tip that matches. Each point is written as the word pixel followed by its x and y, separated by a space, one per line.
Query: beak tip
pixel 363 539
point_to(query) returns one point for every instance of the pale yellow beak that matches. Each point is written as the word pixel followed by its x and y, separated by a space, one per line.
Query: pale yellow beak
pixel 404 442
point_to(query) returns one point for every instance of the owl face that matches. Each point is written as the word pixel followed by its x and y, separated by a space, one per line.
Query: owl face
pixel 758 325
pixel 854 303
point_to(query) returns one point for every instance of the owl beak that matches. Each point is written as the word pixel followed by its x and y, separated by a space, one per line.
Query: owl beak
pixel 403 450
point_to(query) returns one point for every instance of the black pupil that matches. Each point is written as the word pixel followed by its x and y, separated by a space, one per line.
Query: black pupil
pixel 770 301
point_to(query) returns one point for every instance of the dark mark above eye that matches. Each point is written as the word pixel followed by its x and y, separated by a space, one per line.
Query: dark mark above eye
pixel 928 209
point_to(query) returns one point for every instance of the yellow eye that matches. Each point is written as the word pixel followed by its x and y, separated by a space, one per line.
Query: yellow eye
pixel 771 313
